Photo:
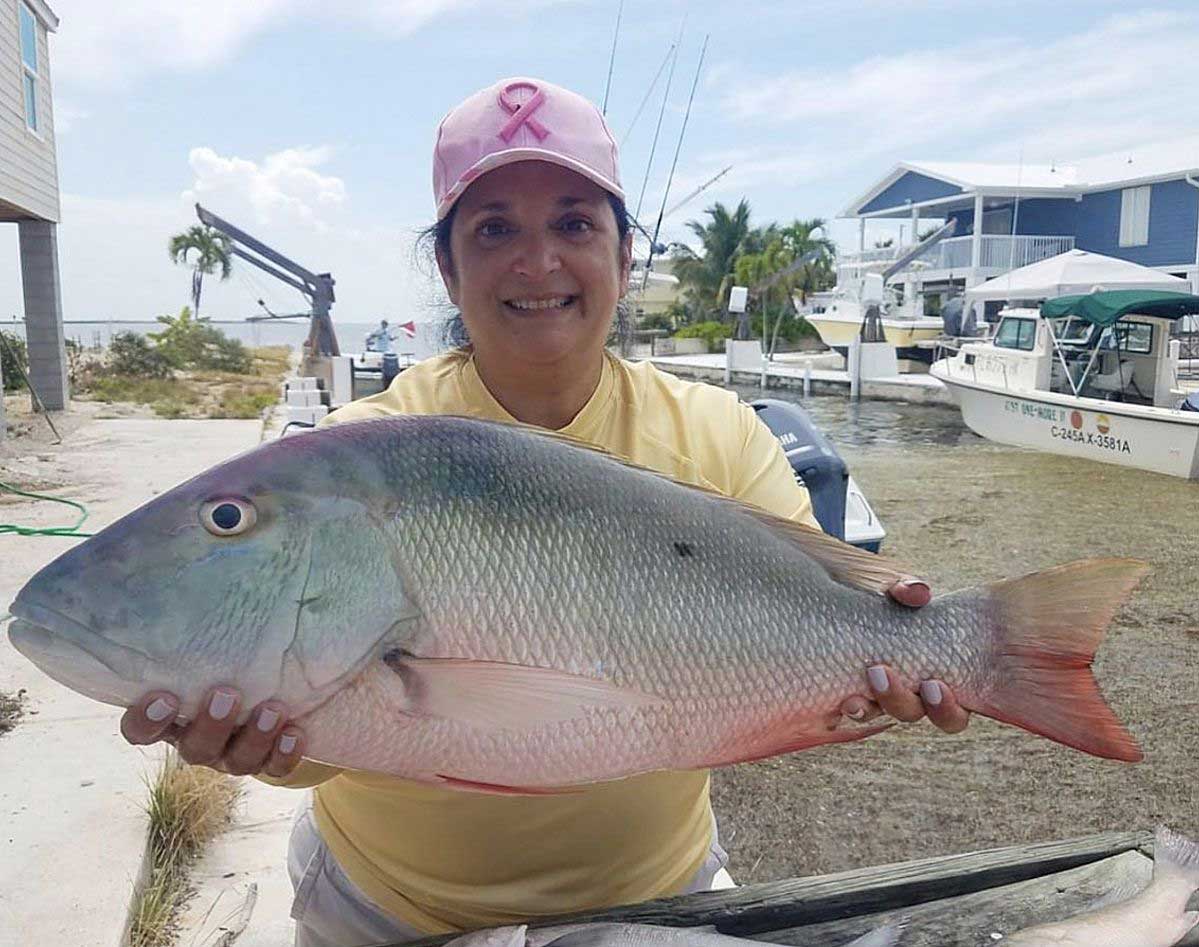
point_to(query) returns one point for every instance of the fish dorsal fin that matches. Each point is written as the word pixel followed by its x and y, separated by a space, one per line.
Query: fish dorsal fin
pixel 844 563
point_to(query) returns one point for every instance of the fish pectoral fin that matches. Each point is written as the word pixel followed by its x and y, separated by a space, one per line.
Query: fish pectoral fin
pixel 496 696
pixel 789 738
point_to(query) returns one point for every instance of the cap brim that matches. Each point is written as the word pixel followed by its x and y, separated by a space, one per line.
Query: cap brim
pixel 498 159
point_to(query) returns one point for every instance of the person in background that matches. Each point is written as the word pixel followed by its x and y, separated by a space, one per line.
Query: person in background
pixel 380 340
pixel 533 243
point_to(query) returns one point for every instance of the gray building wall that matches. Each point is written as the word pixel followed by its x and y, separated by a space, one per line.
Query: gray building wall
pixel 28 165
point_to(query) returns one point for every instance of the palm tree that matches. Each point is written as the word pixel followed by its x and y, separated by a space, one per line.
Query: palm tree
pixel 212 250
pixel 756 270
pixel 817 274
pixel 706 276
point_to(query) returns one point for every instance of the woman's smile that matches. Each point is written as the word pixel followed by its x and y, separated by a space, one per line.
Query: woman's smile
pixel 545 304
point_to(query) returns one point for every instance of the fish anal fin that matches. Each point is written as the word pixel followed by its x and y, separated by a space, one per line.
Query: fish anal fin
pixel 789 739
pixel 498 789
pixel 493 695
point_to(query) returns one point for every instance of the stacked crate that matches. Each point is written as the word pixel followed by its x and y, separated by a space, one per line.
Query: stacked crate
pixel 307 401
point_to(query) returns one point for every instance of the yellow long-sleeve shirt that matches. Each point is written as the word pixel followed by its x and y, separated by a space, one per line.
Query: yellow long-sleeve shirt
pixel 443 860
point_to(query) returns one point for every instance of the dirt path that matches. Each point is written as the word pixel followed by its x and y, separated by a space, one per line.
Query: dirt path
pixel 976 515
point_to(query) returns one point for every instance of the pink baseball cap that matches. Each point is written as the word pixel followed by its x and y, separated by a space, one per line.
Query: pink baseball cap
pixel 521 119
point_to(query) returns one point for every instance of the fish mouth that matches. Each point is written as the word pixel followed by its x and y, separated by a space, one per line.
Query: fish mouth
pixel 76 655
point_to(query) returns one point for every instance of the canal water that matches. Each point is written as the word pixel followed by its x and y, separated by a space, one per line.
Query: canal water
pixel 963 511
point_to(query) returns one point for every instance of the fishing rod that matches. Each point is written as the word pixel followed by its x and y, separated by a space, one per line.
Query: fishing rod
pixel 678 147
pixel 699 190
pixel 650 91
pixel 612 58
pixel 661 113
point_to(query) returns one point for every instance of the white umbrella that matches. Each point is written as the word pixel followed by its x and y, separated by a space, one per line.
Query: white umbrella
pixel 1075 271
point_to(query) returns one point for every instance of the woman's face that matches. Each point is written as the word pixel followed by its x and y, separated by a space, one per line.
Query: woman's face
pixel 538 265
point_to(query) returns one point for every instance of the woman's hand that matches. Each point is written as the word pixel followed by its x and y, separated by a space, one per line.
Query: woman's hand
pixel 265 744
pixel 897 699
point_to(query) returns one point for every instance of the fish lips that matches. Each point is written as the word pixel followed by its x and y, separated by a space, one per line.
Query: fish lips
pixel 77 656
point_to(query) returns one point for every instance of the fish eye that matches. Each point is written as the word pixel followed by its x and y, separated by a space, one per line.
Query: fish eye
pixel 228 516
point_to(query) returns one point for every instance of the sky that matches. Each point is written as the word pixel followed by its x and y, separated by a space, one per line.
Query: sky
pixel 310 125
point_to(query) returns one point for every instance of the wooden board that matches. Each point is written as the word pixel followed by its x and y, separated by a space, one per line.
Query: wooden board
pixel 971 920
pixel 784 905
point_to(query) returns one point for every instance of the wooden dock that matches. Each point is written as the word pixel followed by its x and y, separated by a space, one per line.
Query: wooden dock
pixel 789 372
pixel 966 900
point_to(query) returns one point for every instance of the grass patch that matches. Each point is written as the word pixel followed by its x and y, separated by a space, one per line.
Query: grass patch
pixel 11 709
pixel 188 807
pixel 203 393
pixel 110 388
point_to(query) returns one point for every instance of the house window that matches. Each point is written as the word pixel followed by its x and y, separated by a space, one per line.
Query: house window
pixel 1134 216
pixel 29 63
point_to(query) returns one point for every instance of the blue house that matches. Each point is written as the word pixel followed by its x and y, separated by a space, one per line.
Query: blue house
pixel 1142 208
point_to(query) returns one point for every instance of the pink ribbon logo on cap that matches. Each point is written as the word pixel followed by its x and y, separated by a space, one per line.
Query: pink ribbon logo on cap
pixel 522 112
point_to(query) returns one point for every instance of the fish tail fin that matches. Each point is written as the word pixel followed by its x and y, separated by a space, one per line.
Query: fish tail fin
pixel 886 936
pixel 1048 626
pixel 1176 856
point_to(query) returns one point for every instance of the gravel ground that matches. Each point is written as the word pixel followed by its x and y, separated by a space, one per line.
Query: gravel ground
pixel 962 511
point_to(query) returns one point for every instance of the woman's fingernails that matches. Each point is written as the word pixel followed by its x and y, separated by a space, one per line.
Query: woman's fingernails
pixel 930 693
pixel 268 719
pixel 220 705
pixel 877 676
pixel 287 744
pixel 160 708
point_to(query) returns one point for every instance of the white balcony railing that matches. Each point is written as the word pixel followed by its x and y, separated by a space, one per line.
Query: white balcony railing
pixel 999 252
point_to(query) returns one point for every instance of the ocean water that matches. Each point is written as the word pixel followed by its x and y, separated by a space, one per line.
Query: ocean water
pixel 95 334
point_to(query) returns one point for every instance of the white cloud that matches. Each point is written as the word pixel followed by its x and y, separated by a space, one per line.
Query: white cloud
pixel 1127 76
pixel 101 43
pixel 104 43
pixel 285 199
pixel 285 188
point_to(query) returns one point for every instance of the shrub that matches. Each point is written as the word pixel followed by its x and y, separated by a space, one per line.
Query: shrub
pixel 244 404
pixel 14 359
pixel 711 332
pixel 132 354
pixel 193 343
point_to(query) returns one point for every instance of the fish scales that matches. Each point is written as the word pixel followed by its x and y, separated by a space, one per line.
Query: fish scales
pixel 495 607
pixel 504 568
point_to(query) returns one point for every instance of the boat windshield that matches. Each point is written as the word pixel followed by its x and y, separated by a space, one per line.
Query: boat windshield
pixel 1071 331
pixel 1016 333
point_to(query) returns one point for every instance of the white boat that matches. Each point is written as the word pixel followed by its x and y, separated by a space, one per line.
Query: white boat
pixel 1092 376
pixel 842 316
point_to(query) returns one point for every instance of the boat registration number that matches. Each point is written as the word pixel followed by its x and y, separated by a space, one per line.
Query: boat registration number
pixel 1075 426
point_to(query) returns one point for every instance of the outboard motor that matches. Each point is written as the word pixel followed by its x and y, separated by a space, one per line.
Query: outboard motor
pixel 951 317
pixel 816 463
pixel 840 507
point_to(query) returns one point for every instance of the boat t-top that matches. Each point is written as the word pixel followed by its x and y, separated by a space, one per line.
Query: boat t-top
pixel 1093 375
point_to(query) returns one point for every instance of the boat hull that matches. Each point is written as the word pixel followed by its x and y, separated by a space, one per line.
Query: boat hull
pixel 838 332
pixel 1156 439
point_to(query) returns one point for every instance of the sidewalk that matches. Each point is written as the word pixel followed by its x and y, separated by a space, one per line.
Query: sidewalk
pixel 72 830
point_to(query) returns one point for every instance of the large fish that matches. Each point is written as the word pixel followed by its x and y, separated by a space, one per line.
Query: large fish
pixel 495 608
pixel 1154 917
pixel 635 935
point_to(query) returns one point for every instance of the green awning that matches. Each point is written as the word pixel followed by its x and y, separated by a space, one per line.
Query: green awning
pixel 1106 307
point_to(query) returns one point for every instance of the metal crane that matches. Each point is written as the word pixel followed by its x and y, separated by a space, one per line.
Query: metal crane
pixel 317 288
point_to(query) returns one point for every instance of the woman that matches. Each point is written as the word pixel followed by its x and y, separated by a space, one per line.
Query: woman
pixel 533 245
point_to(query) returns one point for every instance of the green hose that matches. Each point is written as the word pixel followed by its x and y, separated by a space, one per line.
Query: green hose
pixel 14 529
